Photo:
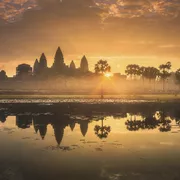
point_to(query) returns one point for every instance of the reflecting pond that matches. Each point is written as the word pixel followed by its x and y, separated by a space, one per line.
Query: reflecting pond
pixel 139 142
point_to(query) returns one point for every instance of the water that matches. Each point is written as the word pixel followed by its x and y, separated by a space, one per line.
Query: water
pixel 133 141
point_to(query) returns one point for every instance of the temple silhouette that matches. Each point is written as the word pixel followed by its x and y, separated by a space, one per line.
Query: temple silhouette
pixel 41 70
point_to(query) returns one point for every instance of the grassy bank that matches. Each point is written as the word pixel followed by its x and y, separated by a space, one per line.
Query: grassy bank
pixel 125 97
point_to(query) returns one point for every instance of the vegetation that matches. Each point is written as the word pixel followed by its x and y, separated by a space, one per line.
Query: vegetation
pixel 164 72
pixel 133 70
pixel 65 73
pixel 177 75
pixel 102 67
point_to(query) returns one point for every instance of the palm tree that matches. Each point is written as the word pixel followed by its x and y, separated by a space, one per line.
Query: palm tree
pixel 102 67
pixel 133 70
pixel 177 75
pixel 154 75
pixel 164 121
pixel 102 131
pixel 151 73
pixel 164 72
pixel 142 71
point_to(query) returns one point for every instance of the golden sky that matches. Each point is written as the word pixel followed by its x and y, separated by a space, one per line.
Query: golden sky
pixel 122 31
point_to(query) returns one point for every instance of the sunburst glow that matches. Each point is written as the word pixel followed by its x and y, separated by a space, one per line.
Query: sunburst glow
pixel 108 75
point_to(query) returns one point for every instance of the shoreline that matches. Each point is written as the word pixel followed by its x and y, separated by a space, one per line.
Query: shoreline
pixel 155 97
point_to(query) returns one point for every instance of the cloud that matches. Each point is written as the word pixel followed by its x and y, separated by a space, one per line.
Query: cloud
pixel 138 8
pixel 129 28
pixel 12 10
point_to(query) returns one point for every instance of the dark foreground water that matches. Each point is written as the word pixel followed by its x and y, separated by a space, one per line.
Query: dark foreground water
pixel 116 142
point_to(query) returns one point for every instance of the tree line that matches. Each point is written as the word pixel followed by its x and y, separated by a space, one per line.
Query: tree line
pixel 135 71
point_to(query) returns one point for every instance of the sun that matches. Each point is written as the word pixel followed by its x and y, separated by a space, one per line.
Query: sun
pixel 108 75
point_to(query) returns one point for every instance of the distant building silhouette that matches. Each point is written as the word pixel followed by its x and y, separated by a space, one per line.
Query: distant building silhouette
pixel 24 71
pixel 36 67
pixel 3 75
pixel 41 70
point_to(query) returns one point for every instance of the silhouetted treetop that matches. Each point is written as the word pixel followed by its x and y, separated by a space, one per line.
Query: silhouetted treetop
pixel 102 67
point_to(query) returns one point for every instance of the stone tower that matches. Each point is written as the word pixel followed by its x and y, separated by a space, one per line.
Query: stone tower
pixel 72 65
pixel 36 67
pixel 43 62
pixel 84 67
pixel 58 64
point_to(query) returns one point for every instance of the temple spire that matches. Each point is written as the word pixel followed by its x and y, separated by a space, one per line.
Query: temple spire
pixel 43 61
pixel 72 65
pixel 36 67
pixel 84 67
pixel 58 60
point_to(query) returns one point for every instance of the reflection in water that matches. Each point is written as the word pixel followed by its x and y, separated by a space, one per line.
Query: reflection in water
pixel 159 120
pixel 102 131
pixel 84 127
pixel 99 144
pixel 139 119
pixel 23 121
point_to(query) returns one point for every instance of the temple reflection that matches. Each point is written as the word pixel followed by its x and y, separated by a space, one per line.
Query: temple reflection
pixel 23 121
pixel 135 119
pixel 3 116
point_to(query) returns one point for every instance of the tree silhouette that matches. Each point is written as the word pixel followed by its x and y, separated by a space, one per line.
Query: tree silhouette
pixel 133 124
pixel 142 71
pixel 133 70
pixel 151 73
pixel 102 67
pixel 177 75
pixel 165 122
pixel 102 131
pixel 164 72
pixel 148 122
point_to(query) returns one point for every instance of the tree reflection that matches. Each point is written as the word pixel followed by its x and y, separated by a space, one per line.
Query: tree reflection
pixel 102 131
pixel 141 118
pixel 150 121
pixel 164 121
pixel 133 124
